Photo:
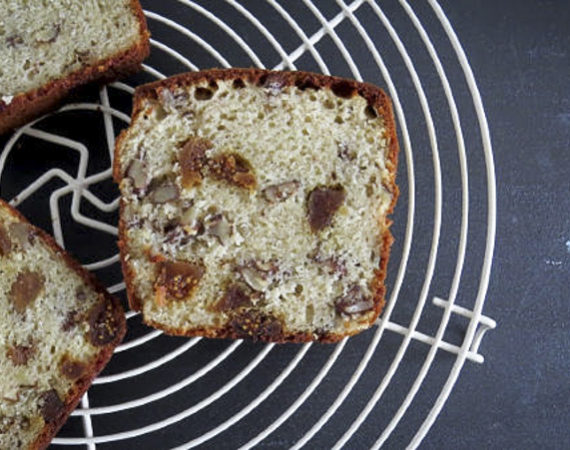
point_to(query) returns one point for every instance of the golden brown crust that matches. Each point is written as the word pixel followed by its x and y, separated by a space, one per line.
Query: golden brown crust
pixel 375 97
pixel 31 104
pixel 83 383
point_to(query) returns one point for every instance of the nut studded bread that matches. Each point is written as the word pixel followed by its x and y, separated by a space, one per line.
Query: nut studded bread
pixel 254 204
pixel 58 329
pixel 48 48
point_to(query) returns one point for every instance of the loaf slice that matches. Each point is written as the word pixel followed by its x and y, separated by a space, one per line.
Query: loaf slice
pixel 48 48
pixel 58 329
pixel 254 204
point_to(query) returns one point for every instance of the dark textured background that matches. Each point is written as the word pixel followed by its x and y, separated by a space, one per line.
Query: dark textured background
pixel 520 396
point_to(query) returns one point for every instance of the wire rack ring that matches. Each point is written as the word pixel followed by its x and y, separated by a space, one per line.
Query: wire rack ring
pixel 330 29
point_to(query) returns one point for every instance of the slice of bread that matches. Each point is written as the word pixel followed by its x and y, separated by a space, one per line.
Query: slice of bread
pixel 58 329
pixel 254 204
pixel 48 48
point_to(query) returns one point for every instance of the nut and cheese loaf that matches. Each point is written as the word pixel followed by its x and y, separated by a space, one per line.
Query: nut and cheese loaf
pixel 58 330
pixel 254 204
pixel 48 48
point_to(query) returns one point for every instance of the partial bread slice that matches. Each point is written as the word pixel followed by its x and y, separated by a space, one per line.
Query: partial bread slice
pixel 254 204
pixel 49 48
pixel 58 329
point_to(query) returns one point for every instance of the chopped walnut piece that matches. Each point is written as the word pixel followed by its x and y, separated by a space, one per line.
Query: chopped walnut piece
pixel 103 324
pixel 282 191
pixel 20 354
pixel 234 297
pixel 234 169
pixel 255 279
pixel 138 174
pixel 172 100
pixel 353 302
pixel 323 203
pixel 176 234
pixel 190 222
pixel 51 406
pixel 217 225
pixel 164 193
pixel 192 158
pixel 258 274
pixel 25 289
pixel 5 242
pixel 176 280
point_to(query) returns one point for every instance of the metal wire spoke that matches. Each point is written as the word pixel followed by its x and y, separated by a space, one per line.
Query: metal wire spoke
pixel 461 255
pixel 491 224
pixel 218 23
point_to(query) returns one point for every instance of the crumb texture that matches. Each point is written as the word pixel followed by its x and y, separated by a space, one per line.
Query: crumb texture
pixel 270 201
pixel 43 40
pixel 50 333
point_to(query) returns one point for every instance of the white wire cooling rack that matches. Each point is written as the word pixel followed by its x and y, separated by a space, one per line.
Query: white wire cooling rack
pixel 162 392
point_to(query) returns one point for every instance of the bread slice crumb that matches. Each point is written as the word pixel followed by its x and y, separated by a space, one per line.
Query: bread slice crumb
pixel 58 331
pixel 254 204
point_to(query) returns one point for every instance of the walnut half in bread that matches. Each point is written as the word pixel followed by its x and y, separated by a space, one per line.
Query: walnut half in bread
pixel 58 330
pixel 254 204
pixel 49 48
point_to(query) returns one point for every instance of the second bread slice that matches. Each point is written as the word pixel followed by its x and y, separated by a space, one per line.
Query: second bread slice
pixel 58 329
pixel 254 204
pixel 49 48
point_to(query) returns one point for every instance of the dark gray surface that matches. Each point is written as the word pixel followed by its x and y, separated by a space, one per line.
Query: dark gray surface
pixel 520 396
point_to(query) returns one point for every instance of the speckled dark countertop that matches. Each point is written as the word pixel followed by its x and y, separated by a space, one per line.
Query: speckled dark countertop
pixel 520 397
